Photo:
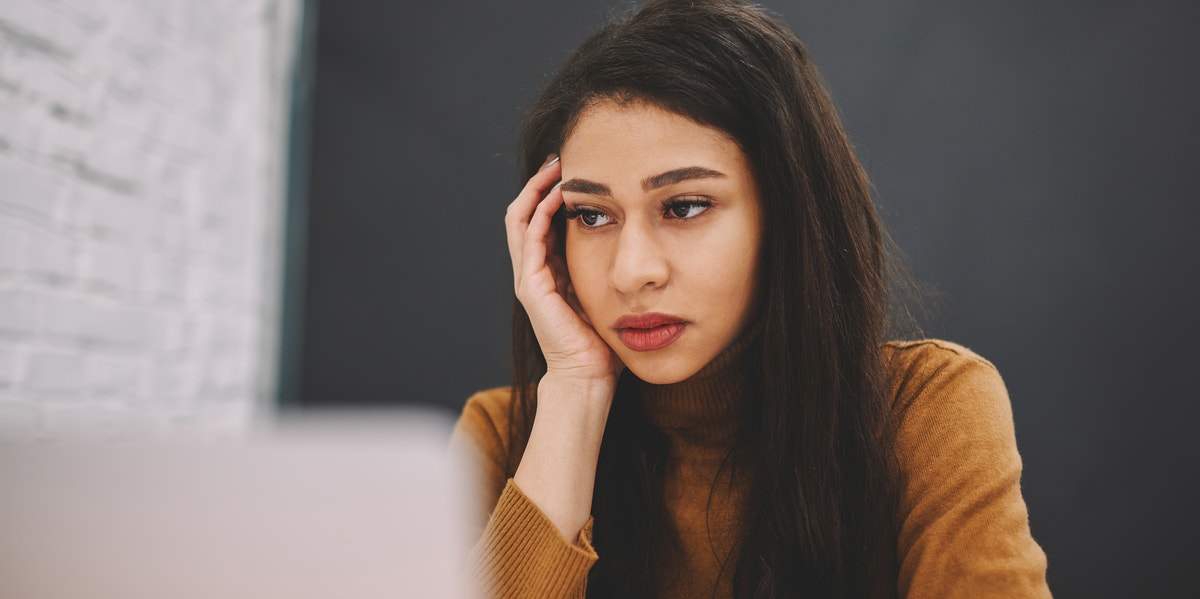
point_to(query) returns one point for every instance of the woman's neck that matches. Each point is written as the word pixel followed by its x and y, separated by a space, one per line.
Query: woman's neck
pixel 706 409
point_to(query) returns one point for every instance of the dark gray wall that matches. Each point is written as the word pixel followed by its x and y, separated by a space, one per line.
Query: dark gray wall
pixel 1034 158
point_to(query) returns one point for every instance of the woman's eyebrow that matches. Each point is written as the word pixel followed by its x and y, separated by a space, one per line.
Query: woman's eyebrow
pixel 679 175
pixel 670 177
pixel 588 187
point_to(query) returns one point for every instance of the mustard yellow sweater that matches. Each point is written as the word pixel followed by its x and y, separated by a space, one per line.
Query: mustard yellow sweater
pixel 964 529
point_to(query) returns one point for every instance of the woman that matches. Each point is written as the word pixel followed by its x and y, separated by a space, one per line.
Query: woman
pixel 704 403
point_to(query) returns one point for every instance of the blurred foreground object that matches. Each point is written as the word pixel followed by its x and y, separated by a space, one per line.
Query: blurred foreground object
pixel 317 507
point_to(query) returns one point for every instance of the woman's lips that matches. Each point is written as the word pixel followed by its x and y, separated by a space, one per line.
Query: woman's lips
pixel 650 331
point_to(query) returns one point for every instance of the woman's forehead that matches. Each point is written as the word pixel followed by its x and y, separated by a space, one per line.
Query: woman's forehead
pixel 634 141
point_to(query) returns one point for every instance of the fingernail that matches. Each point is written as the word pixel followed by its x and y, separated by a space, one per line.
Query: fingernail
pixel 550 159
pixel 556 185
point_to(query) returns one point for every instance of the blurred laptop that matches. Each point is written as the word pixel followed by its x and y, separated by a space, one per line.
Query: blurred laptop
pixel 326 507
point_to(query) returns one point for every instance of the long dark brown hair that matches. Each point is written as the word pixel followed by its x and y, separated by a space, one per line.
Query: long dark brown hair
pixel 821 514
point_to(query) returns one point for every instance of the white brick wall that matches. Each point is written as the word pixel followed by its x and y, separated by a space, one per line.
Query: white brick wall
pixel 141 182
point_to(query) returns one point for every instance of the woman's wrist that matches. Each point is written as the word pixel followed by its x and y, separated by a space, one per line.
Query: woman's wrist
pixel 574 411
pixel 558 470
pixel 564 390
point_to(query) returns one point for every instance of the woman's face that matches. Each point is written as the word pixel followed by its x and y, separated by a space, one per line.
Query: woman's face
pixel 663 240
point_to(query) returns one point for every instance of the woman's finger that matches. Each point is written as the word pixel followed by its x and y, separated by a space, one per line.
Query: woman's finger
pixel 519 211
pixel 533 258
pixel 516 219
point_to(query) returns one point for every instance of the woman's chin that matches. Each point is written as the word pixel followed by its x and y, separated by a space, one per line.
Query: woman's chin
pixel 659 370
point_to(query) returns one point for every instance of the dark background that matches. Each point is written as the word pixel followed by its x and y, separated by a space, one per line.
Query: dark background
pixel 1035 159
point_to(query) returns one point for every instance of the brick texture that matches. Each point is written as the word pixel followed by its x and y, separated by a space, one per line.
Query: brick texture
pixel 141 209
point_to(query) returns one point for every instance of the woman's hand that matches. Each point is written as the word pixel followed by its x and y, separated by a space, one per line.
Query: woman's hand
pixel 558 469
pixel 572 348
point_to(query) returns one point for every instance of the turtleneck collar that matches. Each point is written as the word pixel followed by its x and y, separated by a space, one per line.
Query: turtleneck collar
pixel 705 409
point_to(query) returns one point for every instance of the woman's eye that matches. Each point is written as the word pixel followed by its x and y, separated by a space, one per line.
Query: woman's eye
pixel 591 218
pixel 687 209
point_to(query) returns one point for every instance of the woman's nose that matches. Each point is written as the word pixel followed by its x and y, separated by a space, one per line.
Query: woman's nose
pixel 640 263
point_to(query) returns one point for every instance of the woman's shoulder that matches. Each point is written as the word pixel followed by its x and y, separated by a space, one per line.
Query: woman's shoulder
pixel 922 353
pixel 482 434
pixel 961 510
pixel 920 371
pixel 491 403
pixel 942 391
pixel 485 419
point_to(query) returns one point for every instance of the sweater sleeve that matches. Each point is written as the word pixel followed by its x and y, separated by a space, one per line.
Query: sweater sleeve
pixel 964 528
pixel 520 552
